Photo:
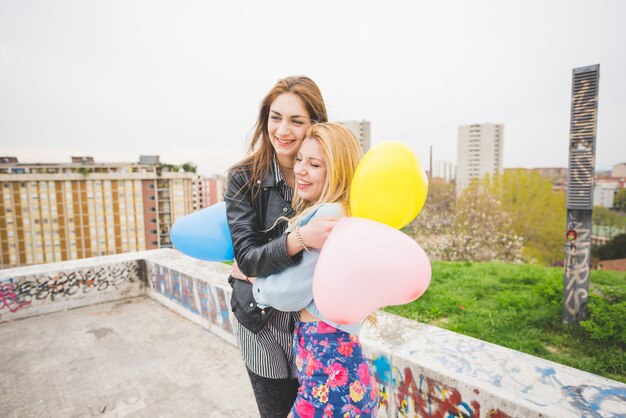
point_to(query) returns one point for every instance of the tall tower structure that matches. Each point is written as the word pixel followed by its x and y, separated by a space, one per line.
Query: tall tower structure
pixel 360 129
pixel 479 152
pixel 582 153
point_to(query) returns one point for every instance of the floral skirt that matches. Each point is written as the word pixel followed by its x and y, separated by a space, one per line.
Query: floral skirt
pixel 335 379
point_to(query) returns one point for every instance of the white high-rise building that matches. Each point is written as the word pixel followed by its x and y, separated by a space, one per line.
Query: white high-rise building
pixel 360 129
pixel 479 152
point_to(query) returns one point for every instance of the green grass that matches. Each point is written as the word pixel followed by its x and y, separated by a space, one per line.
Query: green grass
pixel 519 306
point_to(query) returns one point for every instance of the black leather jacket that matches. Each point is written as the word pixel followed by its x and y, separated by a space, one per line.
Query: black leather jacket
pixel 259 243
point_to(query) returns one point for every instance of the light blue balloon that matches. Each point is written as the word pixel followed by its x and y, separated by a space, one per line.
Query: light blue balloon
pixel 204 234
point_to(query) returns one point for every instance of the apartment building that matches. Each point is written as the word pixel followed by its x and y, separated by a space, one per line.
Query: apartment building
pixel 479 152
pixel 360 129
pixel 619 170
pixel 63 211
pixel 208 191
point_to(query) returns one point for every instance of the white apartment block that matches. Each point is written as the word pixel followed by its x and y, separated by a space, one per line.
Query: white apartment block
pixel 479 152
pixel 604 194
pixel 360 129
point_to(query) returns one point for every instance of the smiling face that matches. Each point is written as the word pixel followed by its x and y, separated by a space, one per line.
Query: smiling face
pixel 288 121
pixel 310 170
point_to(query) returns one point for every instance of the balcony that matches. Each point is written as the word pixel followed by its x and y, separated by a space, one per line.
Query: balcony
pixel 98 337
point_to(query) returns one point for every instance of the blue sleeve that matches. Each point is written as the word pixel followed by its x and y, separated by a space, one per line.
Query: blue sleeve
pixel 291 289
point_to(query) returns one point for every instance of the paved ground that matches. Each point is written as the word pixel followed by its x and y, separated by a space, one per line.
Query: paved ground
pixel 133 358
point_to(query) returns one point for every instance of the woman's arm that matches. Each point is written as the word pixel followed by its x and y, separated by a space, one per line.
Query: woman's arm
pixel 291 289
pixel 254 255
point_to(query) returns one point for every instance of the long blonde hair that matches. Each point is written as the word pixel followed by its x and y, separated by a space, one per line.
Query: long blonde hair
pixel 341 153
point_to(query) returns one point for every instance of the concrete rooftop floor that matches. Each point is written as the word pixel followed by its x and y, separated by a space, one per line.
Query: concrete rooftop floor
pixel 132 358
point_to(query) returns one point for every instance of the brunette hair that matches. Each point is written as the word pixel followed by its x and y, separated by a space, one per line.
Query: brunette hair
pixel 261 152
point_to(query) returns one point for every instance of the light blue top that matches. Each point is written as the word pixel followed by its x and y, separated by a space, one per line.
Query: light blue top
pixel 291 290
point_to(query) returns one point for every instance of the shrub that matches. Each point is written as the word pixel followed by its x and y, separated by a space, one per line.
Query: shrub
pixel 607 321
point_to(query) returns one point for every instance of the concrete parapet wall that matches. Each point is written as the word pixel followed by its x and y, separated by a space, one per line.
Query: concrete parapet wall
pixel 427 371
pixel 46 288
pixel 197 290
pixel 422 370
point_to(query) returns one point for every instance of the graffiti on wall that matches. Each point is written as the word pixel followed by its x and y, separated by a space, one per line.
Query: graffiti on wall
pixel 182 287
pixel 408 394
pixel 430 398
pixel 19 292
pixel 9 298
pixel 193 294
pixel 404 394
pixel 577 267
pixel 600 401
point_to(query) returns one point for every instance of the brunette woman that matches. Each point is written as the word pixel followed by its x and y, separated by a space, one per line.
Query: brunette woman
pixel 258 195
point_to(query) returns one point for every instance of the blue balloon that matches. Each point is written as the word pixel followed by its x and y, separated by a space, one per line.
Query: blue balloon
pixel 204 234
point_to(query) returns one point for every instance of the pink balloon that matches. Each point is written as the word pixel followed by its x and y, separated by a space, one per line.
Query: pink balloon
pixel 366 265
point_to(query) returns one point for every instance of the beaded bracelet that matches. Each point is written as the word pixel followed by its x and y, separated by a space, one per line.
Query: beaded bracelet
pixel 300 239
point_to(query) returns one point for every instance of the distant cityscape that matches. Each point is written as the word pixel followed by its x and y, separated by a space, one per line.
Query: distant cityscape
pixel 62 211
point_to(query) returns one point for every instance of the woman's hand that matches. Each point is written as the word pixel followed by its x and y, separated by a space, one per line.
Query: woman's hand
pixel 313 234
pixel 237 274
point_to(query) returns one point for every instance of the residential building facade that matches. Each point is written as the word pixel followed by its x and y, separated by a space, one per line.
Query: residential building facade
pixel 208 191
pixel 619 170
pixel 360 129
pixel 479 152
pixel 63 211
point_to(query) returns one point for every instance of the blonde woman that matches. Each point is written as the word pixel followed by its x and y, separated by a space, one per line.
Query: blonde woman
pixel 334 376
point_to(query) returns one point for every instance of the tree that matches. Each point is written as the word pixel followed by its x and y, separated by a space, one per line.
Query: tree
pixel 614 249
pixel 189 167
pixel 472 228
pixel 437 214
pixel 605 217
pixel 537 212
pixel 620 199
pixel 482 230
pixel 506 217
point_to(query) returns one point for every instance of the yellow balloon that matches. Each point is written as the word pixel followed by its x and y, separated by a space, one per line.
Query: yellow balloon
pixel 389 185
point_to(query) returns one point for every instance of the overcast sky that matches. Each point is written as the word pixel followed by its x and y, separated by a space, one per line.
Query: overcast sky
pixel 183 79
